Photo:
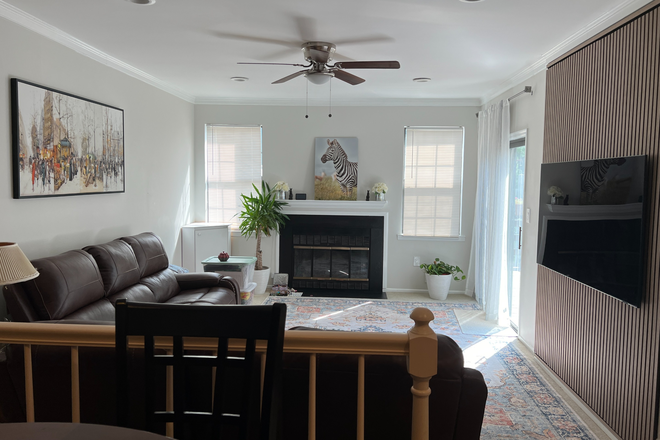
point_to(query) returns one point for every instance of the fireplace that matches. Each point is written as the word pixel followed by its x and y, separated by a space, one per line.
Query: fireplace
pixel 333 255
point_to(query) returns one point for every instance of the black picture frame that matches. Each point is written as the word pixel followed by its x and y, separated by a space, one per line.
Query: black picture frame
pixel 63 144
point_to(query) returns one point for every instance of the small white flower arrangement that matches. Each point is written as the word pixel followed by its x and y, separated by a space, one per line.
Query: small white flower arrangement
pixel 379 188
pixel 281 186
pixel 555 191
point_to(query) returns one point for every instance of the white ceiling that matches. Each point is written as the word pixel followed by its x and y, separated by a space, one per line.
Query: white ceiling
pixel 472 51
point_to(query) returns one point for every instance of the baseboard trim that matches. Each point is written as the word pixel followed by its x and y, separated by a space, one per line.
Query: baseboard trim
pixel 523 342
pixel 396 289
pixel 574 397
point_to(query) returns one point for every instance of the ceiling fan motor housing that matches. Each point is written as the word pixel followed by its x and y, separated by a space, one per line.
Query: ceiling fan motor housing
pixel 318 51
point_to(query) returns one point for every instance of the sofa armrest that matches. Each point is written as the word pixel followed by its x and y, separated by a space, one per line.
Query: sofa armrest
pixel 18 303
pixel 472 405
pixel 197 280
pixel 231 284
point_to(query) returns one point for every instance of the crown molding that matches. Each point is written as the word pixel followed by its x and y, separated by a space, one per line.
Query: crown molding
pixel 373 102
pixel 32 23
pixel 615 14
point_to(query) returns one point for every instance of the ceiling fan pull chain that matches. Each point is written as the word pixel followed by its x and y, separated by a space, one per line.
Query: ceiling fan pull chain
pixel 306 99
pixel 330 114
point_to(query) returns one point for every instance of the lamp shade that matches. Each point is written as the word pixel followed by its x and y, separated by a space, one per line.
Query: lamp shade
pixel 14 265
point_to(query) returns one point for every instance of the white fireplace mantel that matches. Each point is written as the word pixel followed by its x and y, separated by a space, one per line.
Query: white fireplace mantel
pixel 333 207
pixel 337 207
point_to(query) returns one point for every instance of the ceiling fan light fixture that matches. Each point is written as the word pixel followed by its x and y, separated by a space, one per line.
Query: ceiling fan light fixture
pixel 239 78
pixel 142 2
pixel 422 80
pixel 319 78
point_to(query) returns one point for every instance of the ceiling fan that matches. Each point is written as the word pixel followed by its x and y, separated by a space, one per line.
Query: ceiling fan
pixel 319 55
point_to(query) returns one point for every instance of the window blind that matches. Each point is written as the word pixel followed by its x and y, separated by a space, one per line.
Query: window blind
pixel 433 181
pixel 233 164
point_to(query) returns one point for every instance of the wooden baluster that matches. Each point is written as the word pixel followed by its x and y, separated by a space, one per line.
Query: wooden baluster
pixel 29 388
pixel 422 365
pixel 75 386
pixel 360 402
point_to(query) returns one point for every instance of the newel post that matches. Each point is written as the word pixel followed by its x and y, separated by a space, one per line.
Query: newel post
pixel 422 365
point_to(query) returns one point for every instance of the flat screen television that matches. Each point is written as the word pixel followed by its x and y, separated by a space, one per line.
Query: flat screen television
pixel 592 222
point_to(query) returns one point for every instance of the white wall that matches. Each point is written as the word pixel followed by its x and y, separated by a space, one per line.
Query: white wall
pixel 288 147
pixel 158 135
pixel 528 112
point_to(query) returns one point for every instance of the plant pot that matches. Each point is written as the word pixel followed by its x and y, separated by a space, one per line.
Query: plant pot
pixel 438 286
pixel 261 278
pixel 380 197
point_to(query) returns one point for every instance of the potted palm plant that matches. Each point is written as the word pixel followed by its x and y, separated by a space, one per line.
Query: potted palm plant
pixel 438 277
pixel 261 214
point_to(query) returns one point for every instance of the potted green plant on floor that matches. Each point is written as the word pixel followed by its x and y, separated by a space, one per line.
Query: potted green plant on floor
pixel 438 277
pixel 261 215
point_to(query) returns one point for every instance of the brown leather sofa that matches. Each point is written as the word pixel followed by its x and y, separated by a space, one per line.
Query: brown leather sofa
pixel 457 401
pixel 84 284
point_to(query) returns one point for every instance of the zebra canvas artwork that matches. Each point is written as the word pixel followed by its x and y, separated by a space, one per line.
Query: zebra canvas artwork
pixel 335 168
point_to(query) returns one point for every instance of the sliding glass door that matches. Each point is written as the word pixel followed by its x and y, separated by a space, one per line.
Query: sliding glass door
pixel 515 222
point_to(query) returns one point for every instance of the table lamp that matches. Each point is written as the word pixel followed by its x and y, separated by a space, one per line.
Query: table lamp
pixel 14 265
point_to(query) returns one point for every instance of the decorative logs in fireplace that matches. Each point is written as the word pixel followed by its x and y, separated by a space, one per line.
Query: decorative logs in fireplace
pixel 328 255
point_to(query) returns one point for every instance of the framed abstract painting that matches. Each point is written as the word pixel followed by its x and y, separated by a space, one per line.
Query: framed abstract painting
pixel 63 144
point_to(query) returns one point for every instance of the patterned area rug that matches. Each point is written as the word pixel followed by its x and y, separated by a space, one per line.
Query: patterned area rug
pixel 521 404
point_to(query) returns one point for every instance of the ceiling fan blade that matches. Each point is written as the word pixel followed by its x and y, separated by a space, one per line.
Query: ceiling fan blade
pixel 280 64
pixel 255 39
pixel 368 65
pixel 364 40
pixel 287 78
pixel 339 57
pixel 348 77
pixel 306 28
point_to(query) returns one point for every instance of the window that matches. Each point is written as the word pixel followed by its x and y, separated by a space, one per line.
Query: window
pixel 233 164
pixel 433 182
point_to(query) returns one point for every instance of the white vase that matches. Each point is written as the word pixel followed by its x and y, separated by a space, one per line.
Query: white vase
pixel 261 278
pixel 380 197
pixel 438 285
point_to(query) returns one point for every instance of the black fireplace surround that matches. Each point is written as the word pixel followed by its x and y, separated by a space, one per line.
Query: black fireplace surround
pixel 328 255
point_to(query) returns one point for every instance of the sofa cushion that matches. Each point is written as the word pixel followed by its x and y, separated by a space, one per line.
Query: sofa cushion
pixel 149 251
pixel 136 292
pixel 117 264
pixel 204 296
pixel 163 284
pixel 66 283
pixel 101 310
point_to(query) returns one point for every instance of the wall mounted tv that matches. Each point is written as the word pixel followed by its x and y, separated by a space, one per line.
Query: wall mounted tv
pixel 593 229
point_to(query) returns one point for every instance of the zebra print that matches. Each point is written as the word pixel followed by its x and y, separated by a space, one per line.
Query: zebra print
pixel 591 178
pixel 347 171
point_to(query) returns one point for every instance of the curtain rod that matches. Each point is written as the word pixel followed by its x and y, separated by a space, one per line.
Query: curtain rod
pixel 527 89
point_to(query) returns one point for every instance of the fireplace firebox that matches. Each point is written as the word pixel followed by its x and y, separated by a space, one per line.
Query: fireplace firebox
pixel 327 255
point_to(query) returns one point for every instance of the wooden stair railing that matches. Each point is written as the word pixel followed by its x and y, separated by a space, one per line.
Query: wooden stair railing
pixel 419 345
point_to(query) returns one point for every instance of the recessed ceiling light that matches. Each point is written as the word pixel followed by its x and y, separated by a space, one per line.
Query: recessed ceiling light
pixel 471 1
pixel 142 2
pixel 422 80
pixel 239 78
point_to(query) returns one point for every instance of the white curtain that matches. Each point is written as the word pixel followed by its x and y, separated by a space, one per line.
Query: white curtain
pixel 488 260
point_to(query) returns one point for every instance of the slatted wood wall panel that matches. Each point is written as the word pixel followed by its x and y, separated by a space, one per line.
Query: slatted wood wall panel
pixel 602 101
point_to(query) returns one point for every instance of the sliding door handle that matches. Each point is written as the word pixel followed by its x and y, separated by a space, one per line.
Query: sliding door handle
pixel 519 237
